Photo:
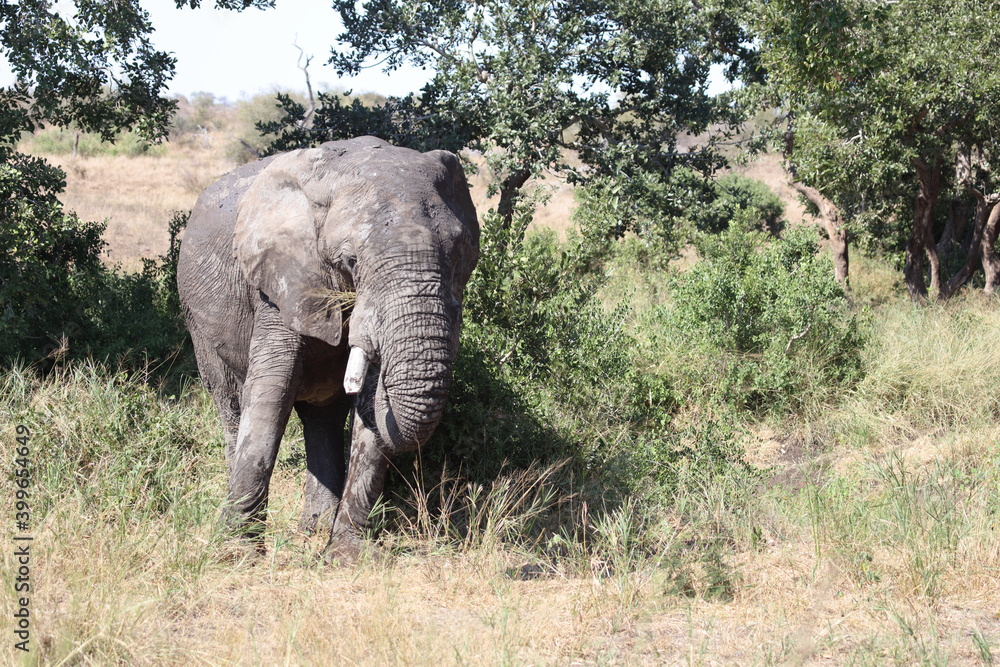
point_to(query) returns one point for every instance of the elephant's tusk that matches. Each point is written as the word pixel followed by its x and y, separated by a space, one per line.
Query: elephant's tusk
pixel 357 366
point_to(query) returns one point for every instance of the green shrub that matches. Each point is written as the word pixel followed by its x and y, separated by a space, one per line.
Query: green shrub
pixel 759 323
pixel 529 337
pixel 668 214
pixel 661 212
pixel 547 373
pixel 57 299
pixel 736 192
pixel 48 254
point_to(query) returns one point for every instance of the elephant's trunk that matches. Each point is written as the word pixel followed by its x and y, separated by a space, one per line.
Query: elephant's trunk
pixel 419 346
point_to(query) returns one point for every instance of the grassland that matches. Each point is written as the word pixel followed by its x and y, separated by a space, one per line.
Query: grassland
pixel 868 537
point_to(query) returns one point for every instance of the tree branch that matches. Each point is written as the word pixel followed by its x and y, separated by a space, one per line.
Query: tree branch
pixel 916 122
pixel 306 122
pixel 800 335
pixel 944 127
pixel 253 151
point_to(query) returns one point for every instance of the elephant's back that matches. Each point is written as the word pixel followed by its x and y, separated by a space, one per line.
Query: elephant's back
pixel 214 213
pixel 216 299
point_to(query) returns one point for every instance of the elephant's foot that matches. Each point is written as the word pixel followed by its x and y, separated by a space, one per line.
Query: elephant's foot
pixel 242 532
pixel 344 548
pixel 315 519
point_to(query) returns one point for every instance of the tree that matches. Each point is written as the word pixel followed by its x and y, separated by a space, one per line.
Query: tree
pixel 886 102
pixel 598 90
pixel 92 66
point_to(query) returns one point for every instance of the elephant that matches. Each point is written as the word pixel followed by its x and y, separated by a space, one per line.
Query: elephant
pixel 328 280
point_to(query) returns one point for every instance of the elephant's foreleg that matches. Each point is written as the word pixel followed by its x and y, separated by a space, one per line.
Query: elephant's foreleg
pixel 323 428
pixel 365 479
pixel 268 395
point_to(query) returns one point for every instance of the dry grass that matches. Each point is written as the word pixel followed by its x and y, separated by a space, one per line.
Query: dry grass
pixel 876 558
pixel 110 592
pixel 880 555
pixel 137 195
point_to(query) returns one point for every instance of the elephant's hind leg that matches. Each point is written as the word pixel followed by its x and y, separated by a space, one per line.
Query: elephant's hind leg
pixel 323 428
pixel 225 389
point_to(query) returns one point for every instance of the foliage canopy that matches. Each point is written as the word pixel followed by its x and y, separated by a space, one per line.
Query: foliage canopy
pixel 884 102
pixel 590 88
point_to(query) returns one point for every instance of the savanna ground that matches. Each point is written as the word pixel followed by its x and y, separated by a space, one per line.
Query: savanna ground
pixel 867 533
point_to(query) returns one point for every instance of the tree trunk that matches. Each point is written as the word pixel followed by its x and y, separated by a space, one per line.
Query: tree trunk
pixel 944 244
pixel 834 225
pixel 921 239
pixel 991 263
pixel 510 192
pixel 974 250
pixel 829 213
pixel 964 231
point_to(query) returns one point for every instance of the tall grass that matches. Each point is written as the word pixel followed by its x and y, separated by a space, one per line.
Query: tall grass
pixel 127 481
pixel 935 366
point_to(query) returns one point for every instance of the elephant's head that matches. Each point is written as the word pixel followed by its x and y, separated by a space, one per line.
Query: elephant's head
pixel 392 225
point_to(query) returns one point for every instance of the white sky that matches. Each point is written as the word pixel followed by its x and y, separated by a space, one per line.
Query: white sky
pixel 241 54
pixel 237 55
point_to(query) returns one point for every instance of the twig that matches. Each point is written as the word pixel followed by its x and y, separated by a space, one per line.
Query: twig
pixel 253 151
pixel 306 122
pixel 800 335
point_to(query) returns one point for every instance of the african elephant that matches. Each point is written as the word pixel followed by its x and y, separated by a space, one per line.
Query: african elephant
pixel 328 280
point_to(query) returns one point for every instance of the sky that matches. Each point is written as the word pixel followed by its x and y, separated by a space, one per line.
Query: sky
pixel 238 55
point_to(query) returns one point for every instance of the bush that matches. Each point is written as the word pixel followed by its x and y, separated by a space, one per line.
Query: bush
pixel 736 192
pixel 57 299
pixel 546 373
pixel 530 329
pixel 669 214
pixel 661 212
pixel 759 324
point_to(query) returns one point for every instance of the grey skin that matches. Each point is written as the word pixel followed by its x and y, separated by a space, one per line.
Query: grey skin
pixel 269 253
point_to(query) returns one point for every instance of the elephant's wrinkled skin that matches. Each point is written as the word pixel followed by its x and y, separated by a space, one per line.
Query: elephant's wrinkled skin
pixel 269 254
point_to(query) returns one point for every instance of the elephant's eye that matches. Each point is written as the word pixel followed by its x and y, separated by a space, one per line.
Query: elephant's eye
pixel 347 262
pixel 345 265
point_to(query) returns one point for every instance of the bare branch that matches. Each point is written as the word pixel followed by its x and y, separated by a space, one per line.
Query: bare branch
pixel 800 335
pixel 307 120
pixel 253 151
pixel 436 48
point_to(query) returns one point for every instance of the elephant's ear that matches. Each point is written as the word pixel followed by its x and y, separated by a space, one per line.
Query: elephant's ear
pixel 276 244
pixel 456 194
